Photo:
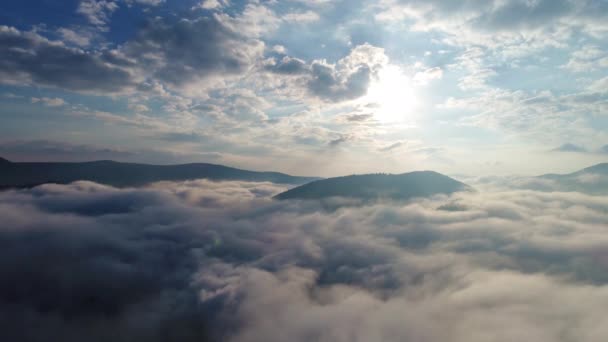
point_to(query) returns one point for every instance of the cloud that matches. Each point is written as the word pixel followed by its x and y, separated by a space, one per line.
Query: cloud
pixel 364 117
pixel 347 79
pixel 181 137
pixel 97 12
pixel 50 102
pixel 428 75
pixel 202 260
pixel 146 2
pixel 588 58
pixel 53 150
pixel 211 4
pixel 340 140
pixel 516 25
pixel 28 58
pixel 569 147
pixel 190 55
pixel 301 17
pixel 538 115
pixel 599 85
pixel 237 106
pixel 392 146
pixel 189 52
pixel 81 38
pixel 287 66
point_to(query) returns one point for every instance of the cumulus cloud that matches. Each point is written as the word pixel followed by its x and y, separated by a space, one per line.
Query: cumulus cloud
pixel 190 51
pixel 28 58
pixel 347 79
pixel 97 12
pixel 81 38
pixel 190 55
pixel 222 261
pixel 211 4
pixel 287 66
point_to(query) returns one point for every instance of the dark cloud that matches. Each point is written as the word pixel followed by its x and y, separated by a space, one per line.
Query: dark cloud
pixel 176 53
pixel 27 57
pixel 327 85
pixel 359 117
pixel 288 66
pixel 347 79
pixel 186 51
pixel 182 137
pixel 206 261
pixel 391 147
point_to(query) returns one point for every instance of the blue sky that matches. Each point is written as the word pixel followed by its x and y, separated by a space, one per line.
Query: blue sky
pixel 308 87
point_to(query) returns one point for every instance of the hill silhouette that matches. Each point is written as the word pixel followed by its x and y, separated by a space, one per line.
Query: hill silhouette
pixel 378 186
pixel 19 175
pixel 591 180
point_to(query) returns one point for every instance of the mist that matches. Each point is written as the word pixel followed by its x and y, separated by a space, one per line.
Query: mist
pixel 211 261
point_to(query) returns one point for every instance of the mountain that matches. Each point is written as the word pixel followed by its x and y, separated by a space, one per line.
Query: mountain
pixel 18 175
pixel 591 180
pixel 378 186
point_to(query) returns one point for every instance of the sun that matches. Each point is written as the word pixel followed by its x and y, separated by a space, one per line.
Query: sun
pixel 391 95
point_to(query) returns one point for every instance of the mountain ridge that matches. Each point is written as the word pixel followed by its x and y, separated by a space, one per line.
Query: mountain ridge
pixel 378 186
pixel 109 172
pixel 592 180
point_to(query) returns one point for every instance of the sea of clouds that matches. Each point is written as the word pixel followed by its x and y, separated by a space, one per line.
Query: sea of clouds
pixel 223 261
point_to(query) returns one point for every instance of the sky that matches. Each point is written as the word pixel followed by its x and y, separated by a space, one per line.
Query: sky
pixel 319 88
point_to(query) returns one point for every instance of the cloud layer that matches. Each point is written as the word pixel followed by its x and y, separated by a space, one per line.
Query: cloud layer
pixel 221 261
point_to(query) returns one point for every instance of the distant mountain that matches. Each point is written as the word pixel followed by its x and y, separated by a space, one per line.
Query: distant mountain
pixel 592 180
pixel 378 186
pixel 127 174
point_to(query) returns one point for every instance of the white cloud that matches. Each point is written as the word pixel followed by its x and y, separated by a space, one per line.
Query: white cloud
pixel 428 75
pixel 301 17
pixel 145 2
pixel 588 59
pixel 98 12
pixel 212 4
pixel 522 25
pixel 50 102
pixel 214 259
pixel 79 38
pixel 347 79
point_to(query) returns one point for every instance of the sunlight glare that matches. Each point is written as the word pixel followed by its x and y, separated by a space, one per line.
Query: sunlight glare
pixel 392 95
